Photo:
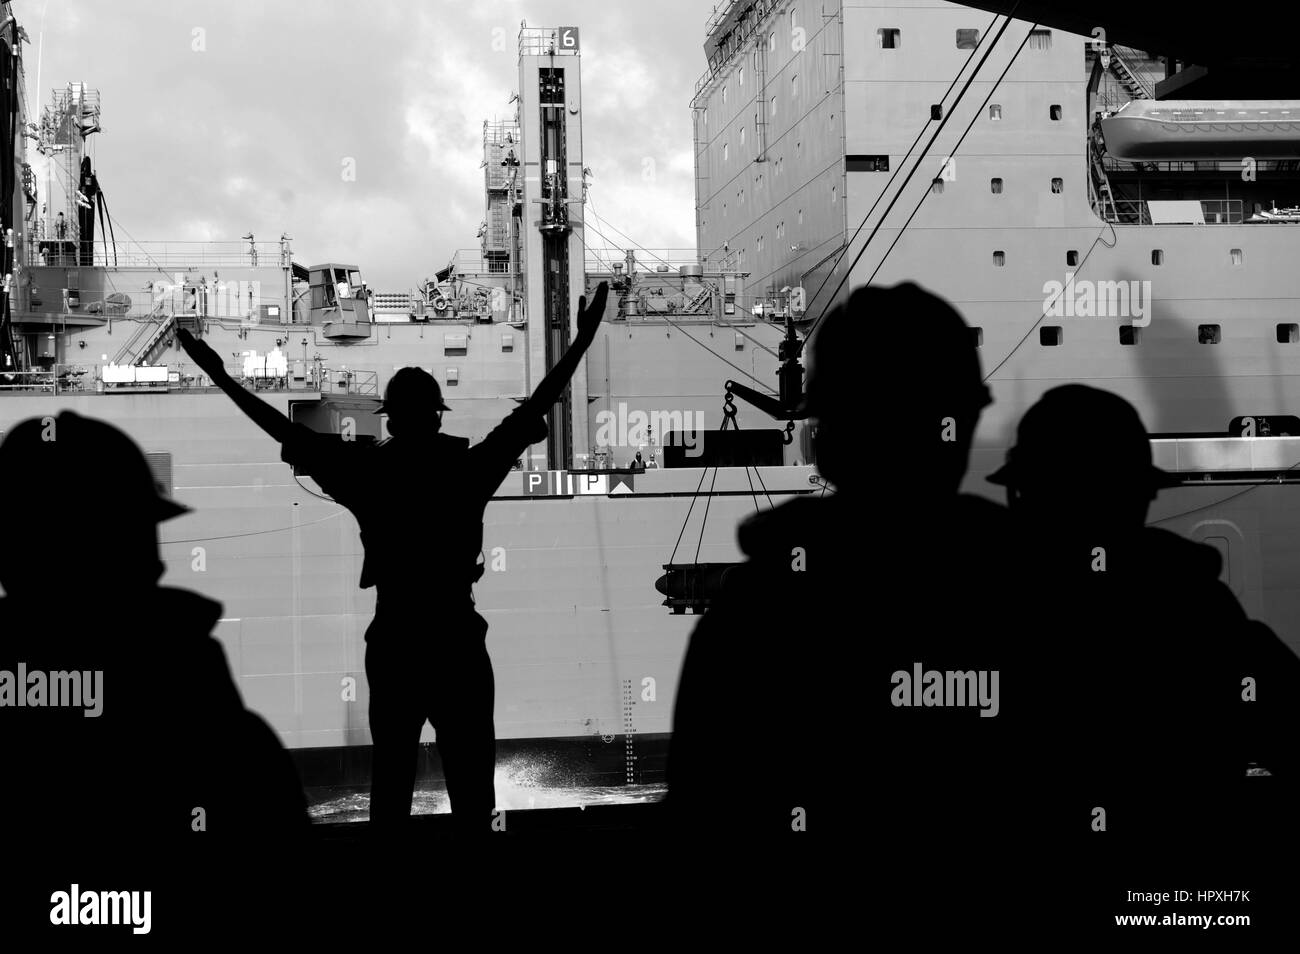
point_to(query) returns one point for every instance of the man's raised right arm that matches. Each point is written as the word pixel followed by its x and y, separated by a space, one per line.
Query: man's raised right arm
pixel 262 414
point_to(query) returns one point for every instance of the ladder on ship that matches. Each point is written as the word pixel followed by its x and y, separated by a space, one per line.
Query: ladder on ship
pixel 693 307
pixel 1099 183
pixel 157 331
pixel 1128 77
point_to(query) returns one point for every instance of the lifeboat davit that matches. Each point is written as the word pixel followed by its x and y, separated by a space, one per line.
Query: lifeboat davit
pixel 1148 130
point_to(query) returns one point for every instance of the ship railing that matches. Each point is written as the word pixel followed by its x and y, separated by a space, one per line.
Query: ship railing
pixel 646 261
pixel 167 255
pixel 344 381
pixel 291 375
pixel 472 261
pixel 543 41
pixel 1216 211
pixel 746 25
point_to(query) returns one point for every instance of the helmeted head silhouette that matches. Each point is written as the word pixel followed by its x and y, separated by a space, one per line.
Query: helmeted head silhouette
pixel 1082 455
pixel 413 399
pixel 894 384
pixel 93 510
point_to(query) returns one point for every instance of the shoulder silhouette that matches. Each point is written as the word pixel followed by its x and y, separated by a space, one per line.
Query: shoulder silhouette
pixel 130 722
pixel 788 676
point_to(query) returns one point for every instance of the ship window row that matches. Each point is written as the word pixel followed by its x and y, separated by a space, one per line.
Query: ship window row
pixel 1235 255
pixel 995 184
pixel 1052 336
pixel 891 38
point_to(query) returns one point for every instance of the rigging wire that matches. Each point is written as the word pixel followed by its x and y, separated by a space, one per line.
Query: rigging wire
pixel 948 114
pixel 899 168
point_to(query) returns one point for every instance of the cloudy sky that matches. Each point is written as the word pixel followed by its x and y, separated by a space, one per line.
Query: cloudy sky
pixel 251 131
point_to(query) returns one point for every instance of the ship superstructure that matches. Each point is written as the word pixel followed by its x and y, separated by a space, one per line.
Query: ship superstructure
pixel 1092 215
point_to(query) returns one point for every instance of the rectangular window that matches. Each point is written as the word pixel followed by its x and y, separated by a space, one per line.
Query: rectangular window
pixel 889 38
pixel 1050 336
pixel 453 377
pixel 995 185
pixel 1128 335
pixel 1054 113
pixel 978 334
pixel 507 342
pixel 995 112
pixel 936 111
pixel 1236 256
pixel 968 39
pixel 455 344
pixel 1288 334
pixel 1040 39
pixel 866 163
pixel 999 258
pixel 1209 334
pixel 1058 186
pixel 1072 258
pixel 1157 256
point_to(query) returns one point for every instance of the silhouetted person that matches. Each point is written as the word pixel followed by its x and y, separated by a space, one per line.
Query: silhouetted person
pixel 419 499
pixel 158 749
pixel 786 696
pixel 1143 650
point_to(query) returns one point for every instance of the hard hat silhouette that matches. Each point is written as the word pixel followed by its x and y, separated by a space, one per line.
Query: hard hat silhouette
pixel 894 321
pixel 70 458
pixel 1076 432
pixel 412 389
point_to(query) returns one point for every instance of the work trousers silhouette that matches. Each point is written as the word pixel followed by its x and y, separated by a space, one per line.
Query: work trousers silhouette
pixel 440 671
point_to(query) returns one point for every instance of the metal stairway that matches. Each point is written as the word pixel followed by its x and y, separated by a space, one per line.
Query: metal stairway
pixel 1128 77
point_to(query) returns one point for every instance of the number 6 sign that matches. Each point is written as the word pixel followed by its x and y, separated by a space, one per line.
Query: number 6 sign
pixel 568 38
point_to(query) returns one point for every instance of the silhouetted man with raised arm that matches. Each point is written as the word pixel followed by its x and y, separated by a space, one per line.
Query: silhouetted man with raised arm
pixel 787 696
pixel 129 726
pixel 419 498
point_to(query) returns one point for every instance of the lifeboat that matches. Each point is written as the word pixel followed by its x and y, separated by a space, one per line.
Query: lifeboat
pixel 1170 130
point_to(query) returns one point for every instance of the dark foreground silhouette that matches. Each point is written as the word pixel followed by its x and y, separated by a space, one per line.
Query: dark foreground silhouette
pixel 1156 694
pixel 788 678
pixel 419 498
pixel 171 751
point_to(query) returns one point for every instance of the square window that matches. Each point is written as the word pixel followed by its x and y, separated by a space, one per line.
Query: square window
pixel 999 258
pixel 1049 336
pixel 1209 334
pixel 1129 335
pixel 889 38
pixel 995 185
pixel 936 187
pixel 1072 257
pixel 995 112
pixel 968 39
pixel 1054 112
pixel 1157 256
pixel 1058 186
pixel 1288 334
